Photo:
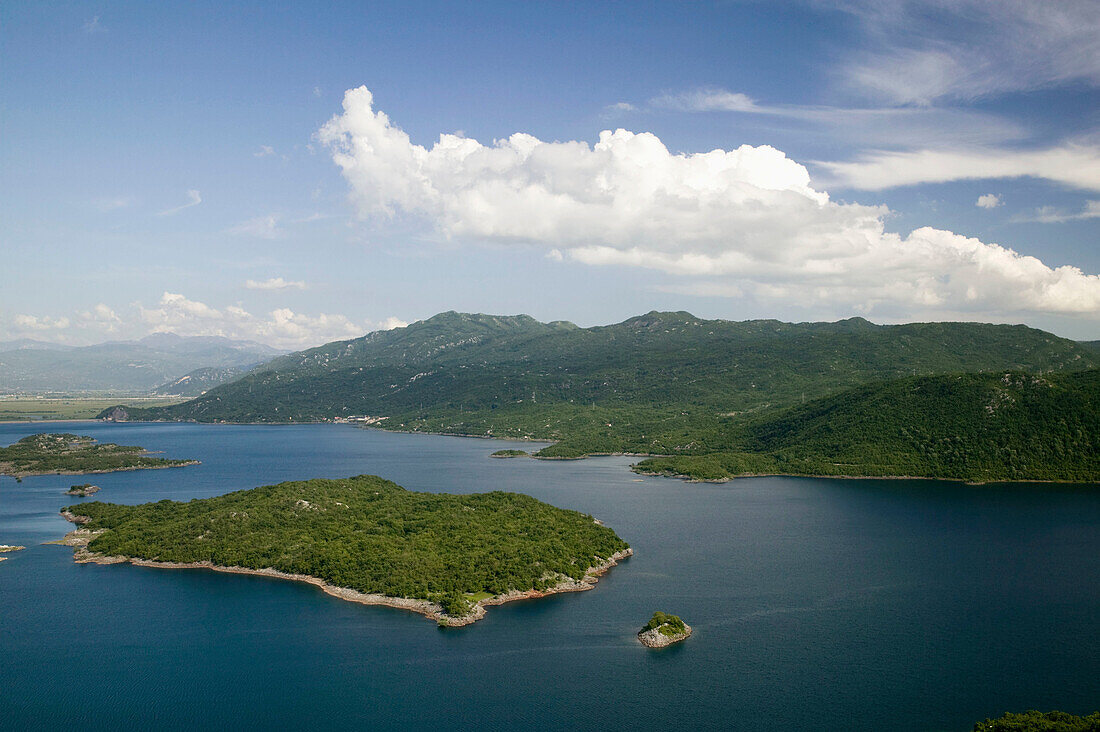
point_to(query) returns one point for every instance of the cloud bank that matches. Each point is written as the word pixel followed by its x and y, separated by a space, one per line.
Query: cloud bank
pixel 742 221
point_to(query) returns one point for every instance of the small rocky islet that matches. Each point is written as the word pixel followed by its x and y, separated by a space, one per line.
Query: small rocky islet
pixel 662 630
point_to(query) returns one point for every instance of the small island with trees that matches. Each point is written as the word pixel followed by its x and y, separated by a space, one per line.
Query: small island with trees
pixel 663 629
pixel 68 454
pixel 364 539
pixel 83 490
pixel 509 454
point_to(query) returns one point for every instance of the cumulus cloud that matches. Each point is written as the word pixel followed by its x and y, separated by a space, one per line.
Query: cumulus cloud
pixel 745 219
pixel 1074 164
pixel 275 283
pixel 989 200
pixel 32 323
pixel 194 198
pixel 101 316
pixel 281 327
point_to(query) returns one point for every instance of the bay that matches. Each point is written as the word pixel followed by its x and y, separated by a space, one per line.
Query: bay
pixel 817 604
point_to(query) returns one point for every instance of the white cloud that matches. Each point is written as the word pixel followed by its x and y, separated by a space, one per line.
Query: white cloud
pixel 744 219
pixel 988 200
pixel 618 108
pixel 101 316
pixel 193 199
pixel 264 151
pixel 1073 164
pixel 275 283
pixel 920 51
pixel 316 91
pixel 281 327
pixel 94 26
pixel 1052 215
pixel 706 100
pixel 32 323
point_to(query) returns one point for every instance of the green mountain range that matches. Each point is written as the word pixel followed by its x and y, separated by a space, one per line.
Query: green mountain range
pixel 657 384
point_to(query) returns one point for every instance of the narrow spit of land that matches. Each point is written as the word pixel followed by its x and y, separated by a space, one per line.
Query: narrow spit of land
pixel 364 539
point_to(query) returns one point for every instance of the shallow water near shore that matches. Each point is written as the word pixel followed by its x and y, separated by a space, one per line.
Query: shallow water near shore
pixel 816 604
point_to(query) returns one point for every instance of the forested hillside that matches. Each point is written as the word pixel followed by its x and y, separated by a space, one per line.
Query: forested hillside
pixel 658 384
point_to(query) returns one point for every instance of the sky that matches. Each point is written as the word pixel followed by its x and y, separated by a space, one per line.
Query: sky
pixel 299 173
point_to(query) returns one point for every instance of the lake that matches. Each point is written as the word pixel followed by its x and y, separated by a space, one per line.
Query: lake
pixel 817 604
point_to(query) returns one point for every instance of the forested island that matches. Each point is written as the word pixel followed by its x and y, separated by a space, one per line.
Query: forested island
pixel 68 454
pixel 713 398
pixel 83 490
pixel 364 539
pixel 509 454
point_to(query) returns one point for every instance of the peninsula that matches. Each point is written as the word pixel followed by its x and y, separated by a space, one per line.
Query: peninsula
pixel 663 630
pixel 9 548
pixel 364 539
pixel 68 454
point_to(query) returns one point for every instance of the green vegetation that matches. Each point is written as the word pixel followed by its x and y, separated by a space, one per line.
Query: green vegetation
pixel 665 624
pixel 367 534
pixel 72 454
pixel 509 453
pixel 22 409
pixel 721 398
pixel 1034 721
pixel 83 490
pixel 974 427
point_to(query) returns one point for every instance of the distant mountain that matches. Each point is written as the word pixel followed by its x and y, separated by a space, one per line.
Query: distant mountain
pixel 29 344
pixel 1093 345
pixel 123 366
pixel 656 383
pixel 200 381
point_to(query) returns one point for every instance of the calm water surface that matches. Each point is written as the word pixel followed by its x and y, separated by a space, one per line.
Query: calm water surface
pixel 817 604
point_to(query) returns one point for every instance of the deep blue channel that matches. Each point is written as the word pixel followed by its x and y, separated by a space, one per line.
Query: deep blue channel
pixel 817 604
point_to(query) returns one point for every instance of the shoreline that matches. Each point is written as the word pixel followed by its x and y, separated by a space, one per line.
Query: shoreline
pixel 662 474
pixel 183 464
pixel 80 537
pixel 964 481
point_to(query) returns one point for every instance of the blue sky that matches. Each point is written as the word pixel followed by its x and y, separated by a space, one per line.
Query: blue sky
pixel 196 167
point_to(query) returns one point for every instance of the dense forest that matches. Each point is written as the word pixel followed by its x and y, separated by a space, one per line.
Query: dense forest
pixel 1035 721
pixel 367 534
pixel 974 427
pixel 67 453
pixel 672 384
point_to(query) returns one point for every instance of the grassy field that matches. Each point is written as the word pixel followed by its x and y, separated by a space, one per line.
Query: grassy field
pixel 23 408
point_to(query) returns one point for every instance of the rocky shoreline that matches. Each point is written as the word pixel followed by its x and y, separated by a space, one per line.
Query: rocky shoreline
pixel 656 639
pixel 79 539
pixel 181 464
pixel 9 548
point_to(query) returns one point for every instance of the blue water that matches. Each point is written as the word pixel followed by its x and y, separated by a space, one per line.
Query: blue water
pixel 817 604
